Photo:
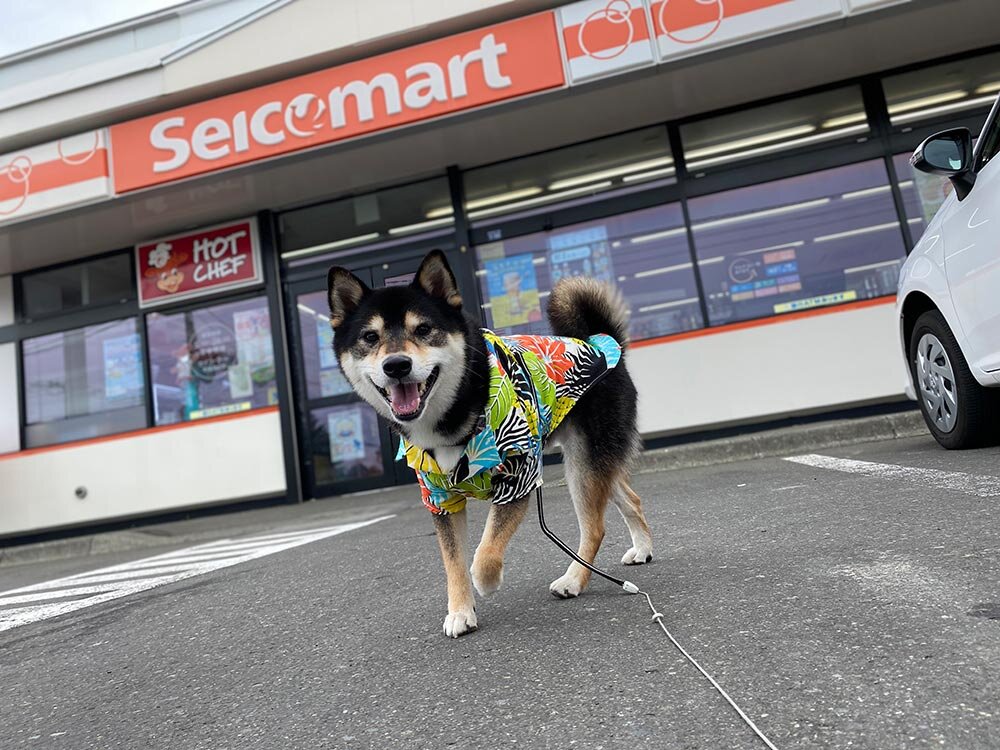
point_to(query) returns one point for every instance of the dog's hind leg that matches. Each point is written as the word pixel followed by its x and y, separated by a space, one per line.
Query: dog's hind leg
pixel 487 564
pixel 452 533
pixel 591 490
pixel 630 506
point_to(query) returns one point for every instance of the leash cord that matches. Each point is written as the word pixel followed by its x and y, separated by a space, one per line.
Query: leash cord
pixel 631 588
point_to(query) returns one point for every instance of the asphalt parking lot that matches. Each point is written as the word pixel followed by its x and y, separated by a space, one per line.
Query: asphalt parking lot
pixel 845 602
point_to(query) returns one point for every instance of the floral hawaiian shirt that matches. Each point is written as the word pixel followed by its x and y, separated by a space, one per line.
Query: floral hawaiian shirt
pixel 534 382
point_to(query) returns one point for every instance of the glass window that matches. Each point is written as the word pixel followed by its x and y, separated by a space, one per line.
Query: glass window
pixel 798 243
pixel 95 282
pixel 717 142
pixel 922 193
pixel 211 361
pixel 350 222
pixel 575 174
pixel 83 383
pixel 953 89
pixel 644 252
pixel 345 443
pixel 320 366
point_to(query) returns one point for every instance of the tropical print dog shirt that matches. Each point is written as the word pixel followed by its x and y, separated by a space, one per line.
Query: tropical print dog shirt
pixel 534 382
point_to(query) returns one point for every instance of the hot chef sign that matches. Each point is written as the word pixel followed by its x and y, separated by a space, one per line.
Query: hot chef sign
pixel 192 265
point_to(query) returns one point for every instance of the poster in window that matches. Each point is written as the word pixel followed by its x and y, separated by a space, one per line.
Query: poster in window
pixel 583 252
pixel 122 368
pixel 253 343
pixel 347 439
pixel 513 290
pixel 324 339
pixel 333 383
pixel 240 382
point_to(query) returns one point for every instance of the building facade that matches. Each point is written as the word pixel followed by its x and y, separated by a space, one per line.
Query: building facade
pixel 174 189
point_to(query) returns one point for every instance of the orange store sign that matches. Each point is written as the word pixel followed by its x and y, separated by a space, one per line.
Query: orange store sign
pixel 418 83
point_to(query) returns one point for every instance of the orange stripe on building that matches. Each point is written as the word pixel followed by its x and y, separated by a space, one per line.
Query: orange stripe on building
pixel 603 34
pixel 56 174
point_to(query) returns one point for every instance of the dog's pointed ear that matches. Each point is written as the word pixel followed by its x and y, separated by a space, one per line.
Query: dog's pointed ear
pixel 435 277
pixel 345 291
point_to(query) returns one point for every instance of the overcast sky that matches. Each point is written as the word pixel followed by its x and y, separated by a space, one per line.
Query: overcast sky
pixel 28 23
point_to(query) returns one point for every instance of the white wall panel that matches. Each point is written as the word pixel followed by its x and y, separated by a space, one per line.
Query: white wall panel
pixel 9 409
pixel 6 300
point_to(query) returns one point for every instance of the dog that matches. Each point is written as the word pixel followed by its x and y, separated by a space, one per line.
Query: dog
pixel 474 410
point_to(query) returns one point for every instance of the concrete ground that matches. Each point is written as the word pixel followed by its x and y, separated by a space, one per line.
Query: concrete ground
pixel 853 605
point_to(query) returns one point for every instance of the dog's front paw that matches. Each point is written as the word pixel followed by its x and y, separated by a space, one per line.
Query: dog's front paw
pixel 566 587
pixel 487 575
pixel 637 556
pixel 460 623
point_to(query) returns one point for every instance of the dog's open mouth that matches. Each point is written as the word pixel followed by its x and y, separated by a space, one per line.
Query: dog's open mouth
pixel 407 399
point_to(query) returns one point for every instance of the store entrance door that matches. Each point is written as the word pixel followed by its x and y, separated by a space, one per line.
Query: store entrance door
pixel 343 445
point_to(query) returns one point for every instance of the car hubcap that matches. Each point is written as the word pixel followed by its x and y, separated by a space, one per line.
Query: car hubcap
pixel 937 382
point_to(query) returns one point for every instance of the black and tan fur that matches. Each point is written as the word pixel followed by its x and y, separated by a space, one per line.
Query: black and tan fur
pixel 447 359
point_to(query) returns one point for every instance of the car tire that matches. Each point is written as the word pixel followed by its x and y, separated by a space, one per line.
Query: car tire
pixel 959 412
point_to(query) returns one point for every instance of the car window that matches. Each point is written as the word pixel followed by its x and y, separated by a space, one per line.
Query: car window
pixel 991 144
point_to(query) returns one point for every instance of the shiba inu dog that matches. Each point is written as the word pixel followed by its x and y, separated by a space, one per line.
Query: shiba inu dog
pixel 474 411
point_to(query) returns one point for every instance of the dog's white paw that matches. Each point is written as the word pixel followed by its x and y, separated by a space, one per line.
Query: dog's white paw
pixel 460 623
pixel 637 556
pixel 487 578
pixel 566 587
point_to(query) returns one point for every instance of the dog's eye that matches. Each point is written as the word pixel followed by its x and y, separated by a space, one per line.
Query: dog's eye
pixel 423 329
pixel 370 337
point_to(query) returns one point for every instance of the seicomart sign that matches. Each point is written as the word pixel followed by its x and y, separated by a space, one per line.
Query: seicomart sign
pixel 438 78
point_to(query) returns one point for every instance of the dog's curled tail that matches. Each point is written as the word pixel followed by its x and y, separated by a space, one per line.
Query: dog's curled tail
pixel 580 306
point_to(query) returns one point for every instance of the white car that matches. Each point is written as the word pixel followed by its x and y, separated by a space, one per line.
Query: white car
pixel 949 292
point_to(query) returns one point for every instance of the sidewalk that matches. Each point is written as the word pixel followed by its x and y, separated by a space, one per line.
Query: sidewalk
pixel 778 442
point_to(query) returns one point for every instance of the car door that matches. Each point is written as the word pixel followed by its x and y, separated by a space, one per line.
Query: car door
pixel 972 258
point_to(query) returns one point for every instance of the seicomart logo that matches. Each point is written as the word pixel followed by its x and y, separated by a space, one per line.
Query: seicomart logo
pixel 398 88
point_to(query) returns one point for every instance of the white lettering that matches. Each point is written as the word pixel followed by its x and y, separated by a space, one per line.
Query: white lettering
pixel 430 88
pixel 488 54
pixel 218 269
pixel 210 131
pixel 240 134
pixel 258 125
pixel 158 139
pixel 213 248
pixel 363 94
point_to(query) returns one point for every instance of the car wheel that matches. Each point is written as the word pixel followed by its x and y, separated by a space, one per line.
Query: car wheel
pixel 959 412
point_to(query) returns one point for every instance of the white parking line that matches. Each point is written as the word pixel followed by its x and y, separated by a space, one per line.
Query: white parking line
pixel 980 485
pixel 52 595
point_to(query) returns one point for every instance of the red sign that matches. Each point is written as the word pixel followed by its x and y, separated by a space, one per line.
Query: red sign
pixel 418 83
pixel 192 265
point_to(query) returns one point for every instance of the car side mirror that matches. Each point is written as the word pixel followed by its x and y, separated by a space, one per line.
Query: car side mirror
pixel 949 154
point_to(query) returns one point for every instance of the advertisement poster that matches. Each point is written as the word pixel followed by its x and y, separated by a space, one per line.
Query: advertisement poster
pixel 324 340
pixel 347 438
pixel 333 383
pixel 122 368
pixel 585 252
pixel 253 343
pixel 240 382
pixel 212 351
pixel 513 290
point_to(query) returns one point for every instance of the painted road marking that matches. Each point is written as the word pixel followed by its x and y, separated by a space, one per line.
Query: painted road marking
pixel 980 485
pixel 96 586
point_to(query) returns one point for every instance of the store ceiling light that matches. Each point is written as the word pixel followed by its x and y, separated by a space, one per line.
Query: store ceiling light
pixel 642 238
pixel 541 199
pixel 839 122
pixel 944 109
pixel 782 246
pixel 665 305
pixel 794 143
pixel 926 101
pixel 489 200
pixel 665 172
pixel 872 266
pixel 864 193
pixel 988 88
pixel 606 174
pixel 420 226
pixel 856 232
pixel 331 245
pixel 775 135
pixel 711 261
pixel 660 271
pixel 766 213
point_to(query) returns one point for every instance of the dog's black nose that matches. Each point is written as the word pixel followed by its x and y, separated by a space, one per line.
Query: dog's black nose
pixel 397 366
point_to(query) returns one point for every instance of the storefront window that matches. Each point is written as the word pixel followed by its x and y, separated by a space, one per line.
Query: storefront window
pixel 645 253
pixel 954 89
pixel 922 193
pixel 94 282
pixel 83 383
pixel 320 367
pixel 394 213
pixel 345 443
pixel 799 243
pixel 717 142
pixel 574 174
pixel 211 361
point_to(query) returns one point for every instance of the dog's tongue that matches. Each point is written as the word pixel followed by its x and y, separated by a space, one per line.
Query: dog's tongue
pixel 405 398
